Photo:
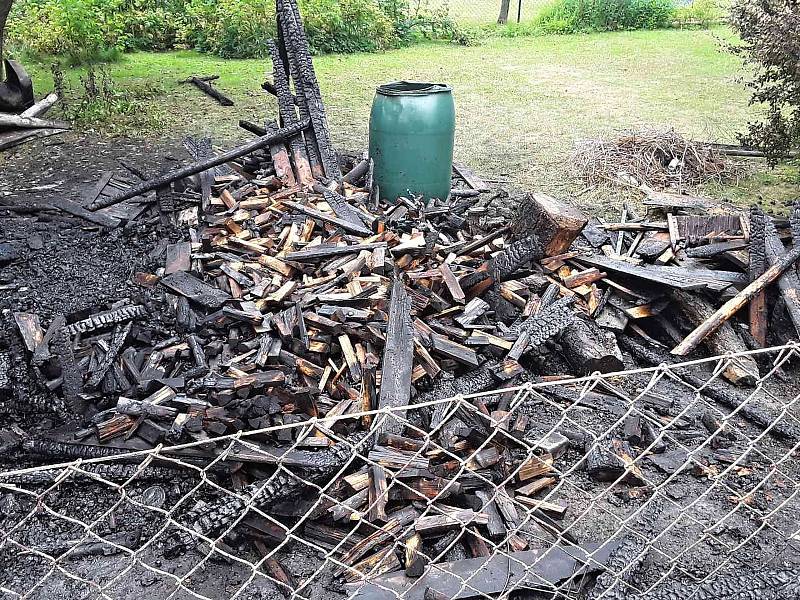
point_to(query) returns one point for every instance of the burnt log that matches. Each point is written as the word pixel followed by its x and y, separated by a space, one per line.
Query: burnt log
pixel 590 349
pixel 193 169
pixel 717 391
pixel 215 517
pixel 202 84
pixel 556 223
pixel 788 282
pixel 743 370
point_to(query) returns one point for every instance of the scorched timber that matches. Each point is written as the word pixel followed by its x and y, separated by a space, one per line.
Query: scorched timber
pixel 732 306
pixel 198 167
pixel 717 391
pixel 763 584
pixel 216 517
pixel 743 370
pixel 398 359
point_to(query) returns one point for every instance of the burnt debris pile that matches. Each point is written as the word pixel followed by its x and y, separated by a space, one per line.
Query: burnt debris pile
pixel 326 329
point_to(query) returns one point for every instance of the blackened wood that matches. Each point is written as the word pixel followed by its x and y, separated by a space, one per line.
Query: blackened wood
pixel 288 114
pixel 356 228
pixel 378 496
pixel 72 380
pixel 340 205
pixel 446 347
pixel 675 277
pixel 789 282
pixel 114 348
pixel 398 359
pixel 306 85
pixel 732 306
pixel 357 172
pixel 742 370
pixel 722 393
pixel 589 349
pixel 198 291
pixel 757 264
pixel 202 83
pixel 220 159
pixel 77 210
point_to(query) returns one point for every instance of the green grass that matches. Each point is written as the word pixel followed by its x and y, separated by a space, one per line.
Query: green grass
pixel 521 102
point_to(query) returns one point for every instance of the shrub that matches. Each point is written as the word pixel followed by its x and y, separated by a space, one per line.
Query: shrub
pixel 346 26
pixel 80 30
pixel 231 28
pixel 576 16
pixel 702 12
pixel 769 42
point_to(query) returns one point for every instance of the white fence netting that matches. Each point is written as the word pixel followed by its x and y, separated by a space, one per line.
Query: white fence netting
pixel 629 485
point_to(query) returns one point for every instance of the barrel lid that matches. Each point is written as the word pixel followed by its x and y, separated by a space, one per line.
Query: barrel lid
pixel 412 88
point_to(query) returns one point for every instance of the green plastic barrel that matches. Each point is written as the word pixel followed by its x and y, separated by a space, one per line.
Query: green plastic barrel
pixel 411 129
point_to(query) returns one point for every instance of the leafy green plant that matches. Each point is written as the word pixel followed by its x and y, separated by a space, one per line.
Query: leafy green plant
pixel 577 16
pixel 770 44
pixel 702 12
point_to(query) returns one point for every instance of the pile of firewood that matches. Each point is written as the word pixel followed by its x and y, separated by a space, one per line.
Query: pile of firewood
pixel 299 294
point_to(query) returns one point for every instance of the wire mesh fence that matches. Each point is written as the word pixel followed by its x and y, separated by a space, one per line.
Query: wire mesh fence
pixel 629 485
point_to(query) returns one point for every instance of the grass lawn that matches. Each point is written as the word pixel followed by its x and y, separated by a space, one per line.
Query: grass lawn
pixel 521 102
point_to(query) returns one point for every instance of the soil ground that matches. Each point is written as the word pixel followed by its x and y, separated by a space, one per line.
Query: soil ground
pixel 740 518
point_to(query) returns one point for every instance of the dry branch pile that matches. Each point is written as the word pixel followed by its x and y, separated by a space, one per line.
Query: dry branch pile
pixel 657 159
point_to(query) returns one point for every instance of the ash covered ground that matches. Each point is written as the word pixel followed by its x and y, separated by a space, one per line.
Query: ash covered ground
pixel 711 517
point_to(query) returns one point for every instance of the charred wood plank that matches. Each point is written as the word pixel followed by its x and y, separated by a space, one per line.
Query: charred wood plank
pixel 732 306
pixel 398 359
pixel 106 319
pixel 220 159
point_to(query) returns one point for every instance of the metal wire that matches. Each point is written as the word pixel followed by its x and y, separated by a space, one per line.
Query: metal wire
pixel 716 510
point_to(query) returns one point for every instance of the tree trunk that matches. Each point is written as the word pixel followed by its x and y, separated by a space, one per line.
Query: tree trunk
pixel 5 8
pixel 503 18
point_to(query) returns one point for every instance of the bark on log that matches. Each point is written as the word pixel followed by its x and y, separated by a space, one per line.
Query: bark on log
pixel 42 106
pixel 163 180
pixel 732 306
pixel 743 370
pixel 757 252
pixel 588 348
pixel 556 223
pixel 202 83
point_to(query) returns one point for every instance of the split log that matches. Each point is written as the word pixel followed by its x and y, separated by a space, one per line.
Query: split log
pixel 732 306
pixel 41 107
pixel 743 370
pixel 556 223
pixel 164 180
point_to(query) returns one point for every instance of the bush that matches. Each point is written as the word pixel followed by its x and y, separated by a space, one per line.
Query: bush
pixel 770 43
pixel 80 30
pixel 577 16
pixel 702 12
pixel 90 30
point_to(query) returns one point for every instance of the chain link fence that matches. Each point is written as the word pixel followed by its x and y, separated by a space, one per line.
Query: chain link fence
pixel 630 485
